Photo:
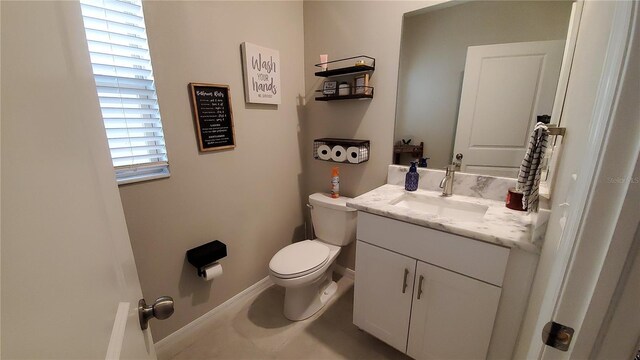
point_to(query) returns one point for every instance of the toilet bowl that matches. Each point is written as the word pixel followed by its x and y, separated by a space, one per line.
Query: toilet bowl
pixel 304 268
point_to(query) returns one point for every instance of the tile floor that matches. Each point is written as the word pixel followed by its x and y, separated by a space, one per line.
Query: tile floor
pixel 256 329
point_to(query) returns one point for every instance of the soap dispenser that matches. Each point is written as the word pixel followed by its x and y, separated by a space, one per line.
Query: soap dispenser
pixel 411 180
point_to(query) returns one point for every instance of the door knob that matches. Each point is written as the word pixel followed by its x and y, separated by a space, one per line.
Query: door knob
pixel 161 309
pixel 557 335
pixel 458 161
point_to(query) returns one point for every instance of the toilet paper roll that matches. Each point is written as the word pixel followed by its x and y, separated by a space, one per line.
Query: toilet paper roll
pixel 324 152
pixel 338 153
pixel 353 154
pixel 212 271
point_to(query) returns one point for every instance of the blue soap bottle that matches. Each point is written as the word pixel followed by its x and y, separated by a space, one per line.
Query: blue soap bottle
pixel 411 180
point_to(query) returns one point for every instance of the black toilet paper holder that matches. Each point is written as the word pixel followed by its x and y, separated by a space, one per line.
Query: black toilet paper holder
pixel 206 254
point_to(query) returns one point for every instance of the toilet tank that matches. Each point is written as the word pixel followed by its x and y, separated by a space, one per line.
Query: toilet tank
pixel 333 221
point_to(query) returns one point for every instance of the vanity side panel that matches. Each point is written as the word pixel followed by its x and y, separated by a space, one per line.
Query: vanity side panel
pixel 466 256
pixel 516 288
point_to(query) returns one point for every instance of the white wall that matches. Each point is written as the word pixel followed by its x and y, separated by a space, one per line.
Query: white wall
pixel 432 58
pixel 248 197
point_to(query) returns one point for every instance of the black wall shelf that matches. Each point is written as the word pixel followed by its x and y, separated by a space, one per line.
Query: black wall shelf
pixel 345 70
pixel 362 96
pixel 349 66
pixel 349 69
pixel 344 97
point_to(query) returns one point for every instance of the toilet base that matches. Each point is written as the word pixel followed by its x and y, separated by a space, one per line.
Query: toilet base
pixel 302 302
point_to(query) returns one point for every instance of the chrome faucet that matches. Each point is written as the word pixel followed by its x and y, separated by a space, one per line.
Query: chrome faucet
pixel 447 182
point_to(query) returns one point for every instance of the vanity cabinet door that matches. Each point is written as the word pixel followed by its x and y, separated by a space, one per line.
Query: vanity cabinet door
pixel 452 315
pixel 382 294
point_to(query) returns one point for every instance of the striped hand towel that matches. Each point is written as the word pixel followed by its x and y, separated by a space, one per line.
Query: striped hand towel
pixel 529 175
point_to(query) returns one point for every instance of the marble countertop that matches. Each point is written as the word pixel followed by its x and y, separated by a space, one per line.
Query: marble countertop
pixel 500 225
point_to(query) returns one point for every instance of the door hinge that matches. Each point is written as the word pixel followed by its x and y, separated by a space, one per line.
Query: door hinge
pixel 557 335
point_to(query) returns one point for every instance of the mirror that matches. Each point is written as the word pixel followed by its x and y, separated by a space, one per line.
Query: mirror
pixel 474 78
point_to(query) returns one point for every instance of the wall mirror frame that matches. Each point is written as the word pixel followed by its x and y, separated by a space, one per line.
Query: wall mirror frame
pixel 475 75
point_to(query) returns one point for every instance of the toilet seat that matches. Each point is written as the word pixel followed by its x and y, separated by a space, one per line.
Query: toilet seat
pixel 299 259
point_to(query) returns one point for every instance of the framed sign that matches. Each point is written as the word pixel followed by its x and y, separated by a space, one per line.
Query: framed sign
pixel 261 67
pixel 211 105
pixel 329 88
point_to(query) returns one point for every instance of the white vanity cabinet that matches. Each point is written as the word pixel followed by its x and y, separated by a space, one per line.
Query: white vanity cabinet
pixel 452 315
pixel 430 294
pixel 383 294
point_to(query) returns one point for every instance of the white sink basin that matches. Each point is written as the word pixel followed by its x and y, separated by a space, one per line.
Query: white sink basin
pixel 441 206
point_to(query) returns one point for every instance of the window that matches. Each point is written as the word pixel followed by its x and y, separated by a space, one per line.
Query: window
pixel 122 70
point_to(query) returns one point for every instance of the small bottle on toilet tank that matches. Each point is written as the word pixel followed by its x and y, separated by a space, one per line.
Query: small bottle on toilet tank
pixel 335 183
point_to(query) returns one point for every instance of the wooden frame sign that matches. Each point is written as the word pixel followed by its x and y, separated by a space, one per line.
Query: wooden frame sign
pixel 211 105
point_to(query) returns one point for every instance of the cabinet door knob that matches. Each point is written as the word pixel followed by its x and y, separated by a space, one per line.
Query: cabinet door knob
pixel 420 286
pixel 404 282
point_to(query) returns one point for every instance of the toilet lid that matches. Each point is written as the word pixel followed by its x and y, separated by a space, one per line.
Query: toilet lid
pixel 299 258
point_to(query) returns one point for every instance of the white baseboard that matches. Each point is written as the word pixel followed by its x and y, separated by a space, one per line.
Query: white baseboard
pixel 177 341
pixel 344 271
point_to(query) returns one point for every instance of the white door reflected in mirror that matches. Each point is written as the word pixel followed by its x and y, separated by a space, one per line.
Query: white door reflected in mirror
pixel 506 86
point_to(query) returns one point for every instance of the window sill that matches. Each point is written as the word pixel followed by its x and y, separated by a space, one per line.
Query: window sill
pixel 141 178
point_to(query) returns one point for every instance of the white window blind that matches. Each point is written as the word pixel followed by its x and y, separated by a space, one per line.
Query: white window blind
pixel 122 70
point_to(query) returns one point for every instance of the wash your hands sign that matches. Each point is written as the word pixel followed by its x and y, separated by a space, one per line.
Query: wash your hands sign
pixel 261 74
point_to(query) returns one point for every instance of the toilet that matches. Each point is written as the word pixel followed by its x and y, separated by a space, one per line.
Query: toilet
pixel 304 268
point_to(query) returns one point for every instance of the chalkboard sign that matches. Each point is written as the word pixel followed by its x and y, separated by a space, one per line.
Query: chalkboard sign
pixel 211 105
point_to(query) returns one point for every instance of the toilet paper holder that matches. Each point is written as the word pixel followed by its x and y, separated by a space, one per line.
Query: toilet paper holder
pixel 206 254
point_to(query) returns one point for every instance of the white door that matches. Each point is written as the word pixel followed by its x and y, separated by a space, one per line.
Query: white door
pixel 382 294
pixel 596 246
pixel 505 87
pixel 452 315
pixel 590 218
pixel 69 282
